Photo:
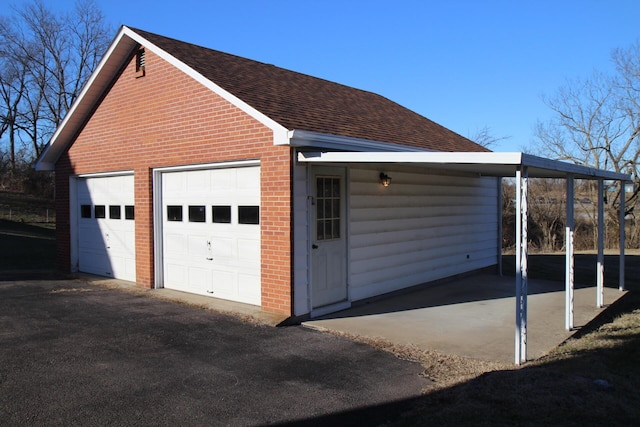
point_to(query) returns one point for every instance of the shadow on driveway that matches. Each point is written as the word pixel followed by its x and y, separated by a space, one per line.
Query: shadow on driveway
pixel 79 354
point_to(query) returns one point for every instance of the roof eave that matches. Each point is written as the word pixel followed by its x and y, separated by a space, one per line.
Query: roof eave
pixel 303 138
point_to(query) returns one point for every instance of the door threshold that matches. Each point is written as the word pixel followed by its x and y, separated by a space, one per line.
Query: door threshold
pixel 331 308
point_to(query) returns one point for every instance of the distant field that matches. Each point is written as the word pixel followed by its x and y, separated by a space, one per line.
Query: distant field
pixel 18 207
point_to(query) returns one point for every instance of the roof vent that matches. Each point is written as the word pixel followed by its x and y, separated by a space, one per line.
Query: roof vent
pixel 140 62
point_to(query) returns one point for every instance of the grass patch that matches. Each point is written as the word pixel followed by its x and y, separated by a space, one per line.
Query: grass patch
pixel 17 207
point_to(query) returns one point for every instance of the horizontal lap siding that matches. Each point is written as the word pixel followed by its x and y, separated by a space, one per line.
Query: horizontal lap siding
pixel 424 227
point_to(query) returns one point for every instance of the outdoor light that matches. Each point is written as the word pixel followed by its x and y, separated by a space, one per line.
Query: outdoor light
pixel 385 179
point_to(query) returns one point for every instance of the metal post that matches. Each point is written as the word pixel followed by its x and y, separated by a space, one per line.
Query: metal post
pixel 499 236
pixel 569 271
pixel 600 262
pixel 623 230
pixel 521 265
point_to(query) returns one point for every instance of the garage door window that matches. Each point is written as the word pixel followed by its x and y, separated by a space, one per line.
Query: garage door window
pixel 174 213
pixel 85 211
pixel 99 211
pixel 221 214
pixel 115 212
pixel 129 212
pixel 248 215
pixel 197 214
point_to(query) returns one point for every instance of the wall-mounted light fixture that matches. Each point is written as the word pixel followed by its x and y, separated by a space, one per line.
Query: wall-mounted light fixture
pixel 385 179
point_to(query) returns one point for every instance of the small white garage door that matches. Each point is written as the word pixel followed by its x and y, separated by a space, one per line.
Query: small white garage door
pixel 106 226
pixel 211 232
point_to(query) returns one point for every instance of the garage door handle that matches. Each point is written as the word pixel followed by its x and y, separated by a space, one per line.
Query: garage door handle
pixel 314 246
pixel 209 258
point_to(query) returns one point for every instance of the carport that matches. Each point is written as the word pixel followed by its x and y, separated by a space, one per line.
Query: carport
pixel 520 167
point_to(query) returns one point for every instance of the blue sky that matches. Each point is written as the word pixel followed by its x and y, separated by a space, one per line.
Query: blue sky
pixel 465 64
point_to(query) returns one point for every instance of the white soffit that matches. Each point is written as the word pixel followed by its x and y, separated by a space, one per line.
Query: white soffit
pixel 484 163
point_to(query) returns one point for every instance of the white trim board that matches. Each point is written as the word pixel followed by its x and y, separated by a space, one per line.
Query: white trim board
pixel 481 163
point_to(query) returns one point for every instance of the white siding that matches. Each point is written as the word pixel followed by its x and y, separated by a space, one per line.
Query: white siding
pixel 300 241
pixel 427 225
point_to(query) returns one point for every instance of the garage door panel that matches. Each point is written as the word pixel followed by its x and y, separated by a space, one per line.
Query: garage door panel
pixel 106 245
pixel 223 248
pixel 175 274
pixel 198 278
pixel 175 244
pixel 249 250
pixel 247 287
pixel 197 247
pixel 224 282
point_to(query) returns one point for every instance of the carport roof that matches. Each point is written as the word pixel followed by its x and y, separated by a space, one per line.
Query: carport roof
pixel 484 164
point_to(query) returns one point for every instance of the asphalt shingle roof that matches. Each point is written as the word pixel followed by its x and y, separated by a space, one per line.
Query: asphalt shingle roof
pixel 301 102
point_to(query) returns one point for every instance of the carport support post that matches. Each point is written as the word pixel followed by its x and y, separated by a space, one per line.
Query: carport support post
pixel 623 230
pixel 600 263
pixel 521 265
pixel 569 272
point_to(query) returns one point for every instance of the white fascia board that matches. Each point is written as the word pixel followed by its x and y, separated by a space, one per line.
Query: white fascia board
pixel 303 138
pixel 493 162
pixel 571 168
pixel 280 133
pixel 112 60
pixel 434 157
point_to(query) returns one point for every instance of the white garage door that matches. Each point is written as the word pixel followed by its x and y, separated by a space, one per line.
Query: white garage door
pixel 106 227
pixel 211 232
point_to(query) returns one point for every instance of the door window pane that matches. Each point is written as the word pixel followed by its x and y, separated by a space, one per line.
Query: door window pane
pixel 327 208
pixel 221 214
pixel 248 215
pixel 114 212
pixel 99 211
pixel 197 213
pixel 174 213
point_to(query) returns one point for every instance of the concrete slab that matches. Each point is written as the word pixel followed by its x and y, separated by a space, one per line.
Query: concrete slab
pixel 470 317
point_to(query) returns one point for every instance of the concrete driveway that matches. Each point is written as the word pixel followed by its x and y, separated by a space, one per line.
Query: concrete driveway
pixel 74 353
pixel 473 316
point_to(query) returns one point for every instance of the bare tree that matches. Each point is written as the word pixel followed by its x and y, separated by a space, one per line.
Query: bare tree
pixel 485 137
pixel 45 59
pixel 596 123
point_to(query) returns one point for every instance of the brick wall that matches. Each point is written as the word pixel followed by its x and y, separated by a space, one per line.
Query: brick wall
pixel 166 119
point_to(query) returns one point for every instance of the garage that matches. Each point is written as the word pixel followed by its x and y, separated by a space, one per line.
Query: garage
pixel 211 232
pixel 106 226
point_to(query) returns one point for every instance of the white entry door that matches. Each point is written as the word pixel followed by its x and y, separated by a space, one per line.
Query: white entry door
pixel 211 232
pixel 106 226
pixel 328 248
